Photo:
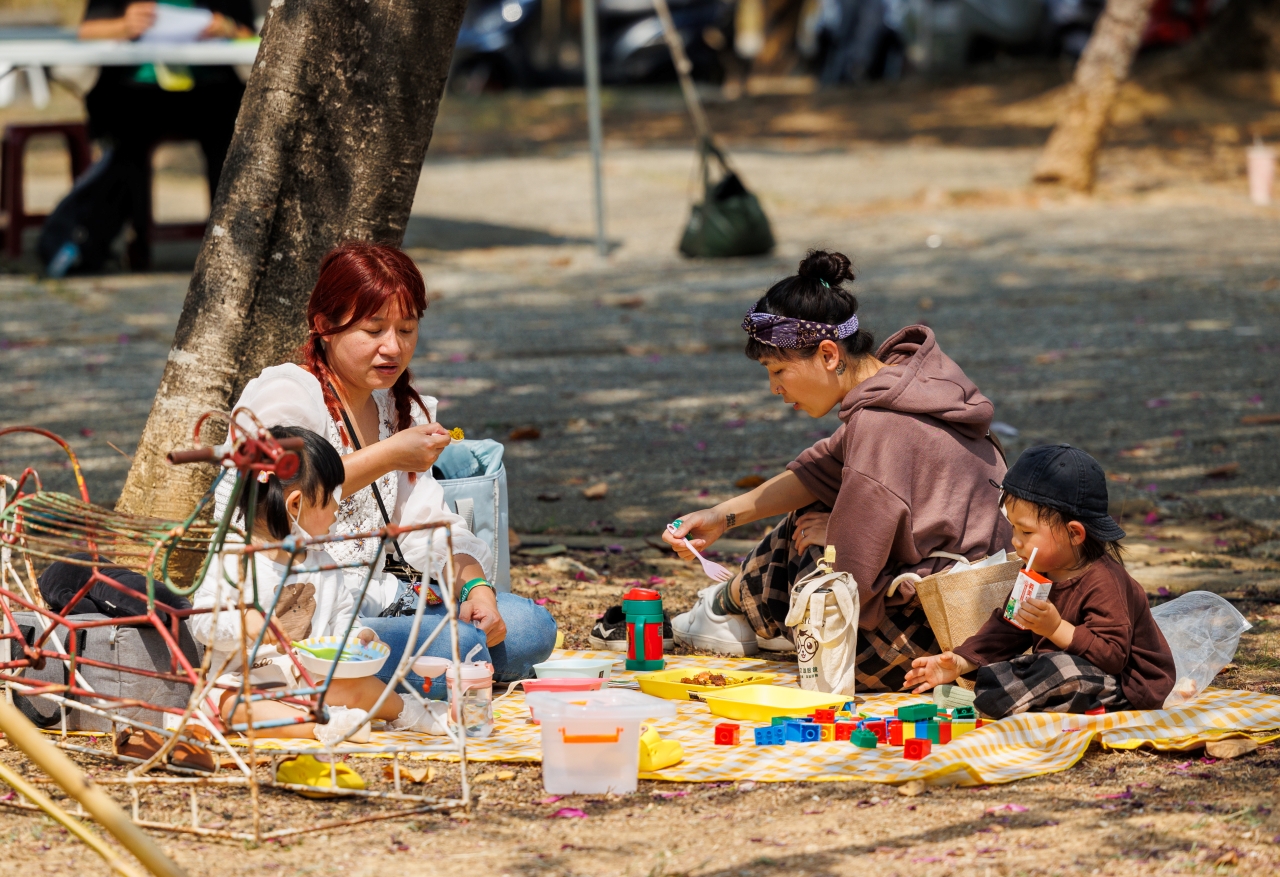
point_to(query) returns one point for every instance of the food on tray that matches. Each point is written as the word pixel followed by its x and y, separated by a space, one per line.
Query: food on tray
pixel 706 677
pixel 457 434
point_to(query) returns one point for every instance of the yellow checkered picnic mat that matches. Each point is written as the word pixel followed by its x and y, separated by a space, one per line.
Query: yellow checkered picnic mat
pixel 1000 752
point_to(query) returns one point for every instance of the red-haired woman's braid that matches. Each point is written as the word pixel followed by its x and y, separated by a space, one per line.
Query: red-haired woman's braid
pixel 405 395
pixel 313 360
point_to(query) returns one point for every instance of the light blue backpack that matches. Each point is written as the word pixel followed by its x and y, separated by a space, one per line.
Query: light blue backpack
pixel 475 486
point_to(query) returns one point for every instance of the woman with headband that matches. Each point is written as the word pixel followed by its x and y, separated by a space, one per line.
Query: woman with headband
pixel 910 473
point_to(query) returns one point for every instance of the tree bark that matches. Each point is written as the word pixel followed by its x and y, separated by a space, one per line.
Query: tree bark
pixel 1070 157
pixel 328 147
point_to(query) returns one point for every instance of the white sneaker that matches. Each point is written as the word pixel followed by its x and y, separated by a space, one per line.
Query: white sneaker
pixel 700 628
pixel 775 644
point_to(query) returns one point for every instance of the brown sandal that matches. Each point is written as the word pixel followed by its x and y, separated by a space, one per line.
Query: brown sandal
pixel 194 756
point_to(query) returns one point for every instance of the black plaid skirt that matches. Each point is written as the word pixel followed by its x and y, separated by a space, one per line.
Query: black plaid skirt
pixel 764 583
pixel 1048 682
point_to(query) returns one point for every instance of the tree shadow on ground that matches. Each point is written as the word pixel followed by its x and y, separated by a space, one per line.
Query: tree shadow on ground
pixel 441 233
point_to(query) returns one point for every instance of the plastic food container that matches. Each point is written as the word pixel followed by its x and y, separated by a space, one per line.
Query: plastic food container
pixel 591 739
pixel 591 668
pixel 666 683
pixel 348 669
pixel 760 703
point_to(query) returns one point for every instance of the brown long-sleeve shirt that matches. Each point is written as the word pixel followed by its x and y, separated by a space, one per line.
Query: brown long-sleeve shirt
pixel 910 471
pixel 1115 632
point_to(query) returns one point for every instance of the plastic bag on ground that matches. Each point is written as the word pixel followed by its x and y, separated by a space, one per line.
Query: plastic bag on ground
pixel 1203 631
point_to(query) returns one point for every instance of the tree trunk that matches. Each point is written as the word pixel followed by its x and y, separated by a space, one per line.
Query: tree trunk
pixel 1070 156
pixel 328 147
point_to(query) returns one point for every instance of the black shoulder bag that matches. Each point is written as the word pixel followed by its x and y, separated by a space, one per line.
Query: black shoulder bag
pixel 395 564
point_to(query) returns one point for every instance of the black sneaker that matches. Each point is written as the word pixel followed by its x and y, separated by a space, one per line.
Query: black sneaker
pixel 610 632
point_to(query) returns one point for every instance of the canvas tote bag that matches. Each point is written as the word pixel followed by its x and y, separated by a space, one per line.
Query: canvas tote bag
pixel 824 612
pixel 957 604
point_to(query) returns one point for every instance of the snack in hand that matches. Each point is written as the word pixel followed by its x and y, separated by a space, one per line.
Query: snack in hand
pixel 457 434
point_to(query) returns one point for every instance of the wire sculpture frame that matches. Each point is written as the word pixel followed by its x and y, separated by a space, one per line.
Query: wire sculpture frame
pixel 38 527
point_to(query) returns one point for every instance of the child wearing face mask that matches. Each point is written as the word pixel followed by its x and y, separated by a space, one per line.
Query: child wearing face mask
pixel 312 603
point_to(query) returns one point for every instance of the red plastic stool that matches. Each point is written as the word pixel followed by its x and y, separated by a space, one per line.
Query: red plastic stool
pixel 14 218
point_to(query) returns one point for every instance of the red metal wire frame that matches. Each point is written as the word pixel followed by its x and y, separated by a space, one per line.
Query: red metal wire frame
pixel 58 440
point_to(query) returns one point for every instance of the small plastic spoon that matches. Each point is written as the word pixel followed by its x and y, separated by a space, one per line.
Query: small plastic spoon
pixel 716 572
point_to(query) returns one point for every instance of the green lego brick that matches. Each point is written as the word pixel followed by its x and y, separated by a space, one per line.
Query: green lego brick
pixel 917 712
pixel 863 739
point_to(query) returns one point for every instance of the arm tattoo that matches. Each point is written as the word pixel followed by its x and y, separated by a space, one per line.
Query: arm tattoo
pixel 730 521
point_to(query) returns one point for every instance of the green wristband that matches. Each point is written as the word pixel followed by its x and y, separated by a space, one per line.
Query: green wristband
pixel 472 585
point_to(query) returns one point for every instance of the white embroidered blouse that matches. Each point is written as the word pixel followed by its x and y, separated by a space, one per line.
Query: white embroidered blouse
pixel 289 395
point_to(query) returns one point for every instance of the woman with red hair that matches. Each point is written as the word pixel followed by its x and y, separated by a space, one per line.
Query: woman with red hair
pixel 353 376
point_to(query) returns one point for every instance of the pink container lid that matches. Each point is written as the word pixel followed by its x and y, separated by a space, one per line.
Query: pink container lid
pixel 565 684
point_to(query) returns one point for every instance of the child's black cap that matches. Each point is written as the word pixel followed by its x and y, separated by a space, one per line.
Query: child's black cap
pixel 1068 480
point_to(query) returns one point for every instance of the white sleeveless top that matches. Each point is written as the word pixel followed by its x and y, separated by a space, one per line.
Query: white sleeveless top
pixel 289 395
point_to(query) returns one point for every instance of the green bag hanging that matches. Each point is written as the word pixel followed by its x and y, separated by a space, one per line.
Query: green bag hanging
pixel 729 220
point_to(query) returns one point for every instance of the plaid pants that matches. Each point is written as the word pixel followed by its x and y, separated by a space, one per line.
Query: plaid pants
pixel 1049 682
pixel 764 583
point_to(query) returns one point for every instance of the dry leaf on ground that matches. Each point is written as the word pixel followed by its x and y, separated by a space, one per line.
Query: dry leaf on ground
pixel 1233 748
pixel 413 773
pixel 599 490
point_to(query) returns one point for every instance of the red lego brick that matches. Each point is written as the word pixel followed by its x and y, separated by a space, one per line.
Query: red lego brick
pixel 944 732
pixel 824 717
pixel 894 732
pixel 916 749
pixel 880 729
pixel 728 735
pixel 844 729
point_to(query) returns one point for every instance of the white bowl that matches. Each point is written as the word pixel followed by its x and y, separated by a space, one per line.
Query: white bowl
pixel 575 668
pixel 346 669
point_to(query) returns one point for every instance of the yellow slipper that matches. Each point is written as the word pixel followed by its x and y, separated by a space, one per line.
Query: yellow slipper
pixel 656 753
pixel 304 770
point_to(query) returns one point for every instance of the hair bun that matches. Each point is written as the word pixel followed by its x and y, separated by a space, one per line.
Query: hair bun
pixel 831 268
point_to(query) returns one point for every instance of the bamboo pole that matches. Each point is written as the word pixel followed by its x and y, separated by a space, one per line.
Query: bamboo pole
pixel 22 734
pixel 67 821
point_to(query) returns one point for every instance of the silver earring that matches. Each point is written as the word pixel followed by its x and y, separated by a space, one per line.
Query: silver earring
pixel 840 367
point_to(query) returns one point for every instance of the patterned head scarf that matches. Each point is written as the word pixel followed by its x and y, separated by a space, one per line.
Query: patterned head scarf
pixel 789 333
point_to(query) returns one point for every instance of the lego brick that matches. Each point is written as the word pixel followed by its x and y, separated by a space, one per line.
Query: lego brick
pixel 917 712
pixel 978 723
pixel 916 749
pixel 770 735
pixel 826 731
pixel 927 731
pixel 848 706
pixel 879 728
pixel 964 714
pixel 728 735
pixel 844 730
pixel 803 732
pixel 908 731
pixel 893 728
pixel 824 717
pixel 845 714
pixel 959 728
pixel 944 732
pixel 779 720
pixel 864 740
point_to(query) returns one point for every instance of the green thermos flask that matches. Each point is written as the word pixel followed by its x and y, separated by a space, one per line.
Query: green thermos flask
pixel 643 610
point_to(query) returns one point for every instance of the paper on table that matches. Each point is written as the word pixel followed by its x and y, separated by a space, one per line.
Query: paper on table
pixel 177 24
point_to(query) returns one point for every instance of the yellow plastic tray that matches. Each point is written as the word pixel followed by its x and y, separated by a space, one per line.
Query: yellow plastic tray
pixel 760 703
pixel 667 684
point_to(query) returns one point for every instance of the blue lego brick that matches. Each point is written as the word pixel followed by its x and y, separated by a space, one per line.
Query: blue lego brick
pixel 803 732
pixel 770 735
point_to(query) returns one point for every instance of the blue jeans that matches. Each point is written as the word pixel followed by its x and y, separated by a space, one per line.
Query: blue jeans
pixel 531 635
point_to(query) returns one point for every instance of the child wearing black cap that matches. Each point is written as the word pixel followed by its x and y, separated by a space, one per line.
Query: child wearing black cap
pixel 1094 642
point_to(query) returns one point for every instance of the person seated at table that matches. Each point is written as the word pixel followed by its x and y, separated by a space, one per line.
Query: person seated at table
pixel 132 108
pixel 903 488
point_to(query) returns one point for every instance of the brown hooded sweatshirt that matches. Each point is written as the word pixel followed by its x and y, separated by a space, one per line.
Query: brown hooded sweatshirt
pixel 908 473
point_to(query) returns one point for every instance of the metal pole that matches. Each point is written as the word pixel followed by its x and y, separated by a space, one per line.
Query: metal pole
pixel 591 64
pixel 47 757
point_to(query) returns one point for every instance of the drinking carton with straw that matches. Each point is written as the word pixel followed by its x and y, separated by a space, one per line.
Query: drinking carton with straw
pixel 1029 585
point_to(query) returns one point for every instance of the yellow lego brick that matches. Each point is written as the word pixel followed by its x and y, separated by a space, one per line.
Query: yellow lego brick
pixel 908 731
pixel 958 728
pixel 828 732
